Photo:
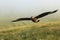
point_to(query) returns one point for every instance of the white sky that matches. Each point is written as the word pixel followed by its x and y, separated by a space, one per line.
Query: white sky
pixel 21 8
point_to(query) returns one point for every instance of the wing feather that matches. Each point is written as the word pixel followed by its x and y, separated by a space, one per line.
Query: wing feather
pixel 21 19
pixel 44 14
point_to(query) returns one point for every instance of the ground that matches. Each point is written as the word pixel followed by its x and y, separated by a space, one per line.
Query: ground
pixel 33 31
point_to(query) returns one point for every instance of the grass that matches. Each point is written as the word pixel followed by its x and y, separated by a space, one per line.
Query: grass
pixel 33 31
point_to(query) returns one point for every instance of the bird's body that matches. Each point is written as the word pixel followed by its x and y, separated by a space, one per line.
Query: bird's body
pixel 35 19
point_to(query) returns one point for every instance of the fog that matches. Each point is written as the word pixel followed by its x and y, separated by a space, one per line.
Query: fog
pixel 27 8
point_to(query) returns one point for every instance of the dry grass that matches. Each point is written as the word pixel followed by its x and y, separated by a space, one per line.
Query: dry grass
pixel 36 31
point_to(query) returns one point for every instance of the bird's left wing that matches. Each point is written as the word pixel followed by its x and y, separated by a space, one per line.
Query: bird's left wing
pixel 21 19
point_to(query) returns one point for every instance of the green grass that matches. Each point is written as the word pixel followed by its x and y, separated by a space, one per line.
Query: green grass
pixel 36 31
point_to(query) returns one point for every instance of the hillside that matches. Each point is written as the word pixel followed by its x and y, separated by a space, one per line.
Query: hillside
pixel 36 31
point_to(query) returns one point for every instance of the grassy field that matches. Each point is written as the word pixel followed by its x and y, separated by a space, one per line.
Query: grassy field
pixel 32 31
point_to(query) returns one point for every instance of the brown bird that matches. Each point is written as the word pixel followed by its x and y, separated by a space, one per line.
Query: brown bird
pixel 35 19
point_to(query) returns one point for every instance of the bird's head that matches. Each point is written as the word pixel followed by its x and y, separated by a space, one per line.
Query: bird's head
pixel 32 17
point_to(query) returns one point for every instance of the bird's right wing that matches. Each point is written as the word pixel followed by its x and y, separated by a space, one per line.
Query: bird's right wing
pixel 46 13
pixel 21 19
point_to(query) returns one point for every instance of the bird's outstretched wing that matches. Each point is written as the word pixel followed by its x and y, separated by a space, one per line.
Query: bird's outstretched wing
pixel 21 19
pixel 46 13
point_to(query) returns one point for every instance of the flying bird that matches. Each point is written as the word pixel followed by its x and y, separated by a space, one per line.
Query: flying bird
pixel 36 18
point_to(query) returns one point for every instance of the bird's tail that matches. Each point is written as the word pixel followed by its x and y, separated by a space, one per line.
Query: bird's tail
pixel 54 11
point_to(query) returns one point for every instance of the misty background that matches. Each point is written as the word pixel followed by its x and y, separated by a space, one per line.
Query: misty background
pixel 13 9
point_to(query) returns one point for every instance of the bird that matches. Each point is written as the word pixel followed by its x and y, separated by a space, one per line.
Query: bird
pixel 35 19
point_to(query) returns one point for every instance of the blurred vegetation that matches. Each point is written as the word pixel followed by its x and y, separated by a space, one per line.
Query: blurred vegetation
pixel 30 31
